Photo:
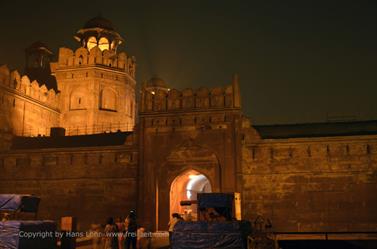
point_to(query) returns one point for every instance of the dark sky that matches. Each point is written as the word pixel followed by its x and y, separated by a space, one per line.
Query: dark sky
pixel 298 61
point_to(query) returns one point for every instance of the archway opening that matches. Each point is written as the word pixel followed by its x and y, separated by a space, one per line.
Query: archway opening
pixel 186 187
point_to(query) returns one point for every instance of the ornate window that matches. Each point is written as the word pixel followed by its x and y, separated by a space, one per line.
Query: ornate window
pixel 103 43
pixel 81 59
pixel 108 99
pixel 92 42
pixel 77 100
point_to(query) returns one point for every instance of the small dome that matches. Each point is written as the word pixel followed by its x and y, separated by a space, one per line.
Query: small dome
pixel 99 22
pixel 156 82
pixel 38 46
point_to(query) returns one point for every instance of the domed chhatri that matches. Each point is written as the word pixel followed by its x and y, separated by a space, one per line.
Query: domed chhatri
pixel 156 83
pixel 99 32
pixel 99 22
pixel 38 46
pixel 37 64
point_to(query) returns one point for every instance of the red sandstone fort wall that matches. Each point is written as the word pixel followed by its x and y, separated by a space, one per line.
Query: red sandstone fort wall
pixel 26 108
pixel 313 184
pixel 90 184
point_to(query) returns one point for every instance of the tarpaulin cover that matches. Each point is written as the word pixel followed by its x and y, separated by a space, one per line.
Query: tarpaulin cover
pixel 17 235
pixel 23 203
pixel 205 235
pixel 212 200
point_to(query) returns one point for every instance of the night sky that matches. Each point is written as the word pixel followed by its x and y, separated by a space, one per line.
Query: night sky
pixel 298 61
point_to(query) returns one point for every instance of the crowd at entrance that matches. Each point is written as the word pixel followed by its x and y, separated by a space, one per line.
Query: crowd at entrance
pixel 120 234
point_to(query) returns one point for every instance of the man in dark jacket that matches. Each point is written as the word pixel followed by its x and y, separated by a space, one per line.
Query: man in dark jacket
pixel 131 231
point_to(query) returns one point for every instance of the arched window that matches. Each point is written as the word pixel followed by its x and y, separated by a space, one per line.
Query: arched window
pixel 81 59
pixel 92 42
pixel 103 43
pixel 77 100
pixel 108 99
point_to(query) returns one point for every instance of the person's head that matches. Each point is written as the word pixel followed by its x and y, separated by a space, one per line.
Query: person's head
pixel 110 221
pixel 132 214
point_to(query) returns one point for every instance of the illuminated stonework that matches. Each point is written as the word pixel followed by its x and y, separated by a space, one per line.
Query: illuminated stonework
pixel 26 108
pixel 95 87
pixel 304 178
pixel 99 32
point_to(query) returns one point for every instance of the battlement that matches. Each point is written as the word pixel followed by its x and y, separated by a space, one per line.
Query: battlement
pixel 227 97
pixel 22 86
pixel 95 57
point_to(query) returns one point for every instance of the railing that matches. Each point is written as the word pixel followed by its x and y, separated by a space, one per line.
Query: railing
pixel 76 130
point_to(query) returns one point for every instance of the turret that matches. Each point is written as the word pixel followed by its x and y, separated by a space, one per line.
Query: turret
pixel 99 32
pixel 97 82
pixel 37 64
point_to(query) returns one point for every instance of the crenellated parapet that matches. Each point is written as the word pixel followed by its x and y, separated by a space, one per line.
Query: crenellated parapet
pixel 227 97
pixel 14 83
pixel 95 57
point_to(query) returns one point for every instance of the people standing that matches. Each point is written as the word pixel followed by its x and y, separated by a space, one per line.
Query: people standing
pixel 175 218
pixel 110 239
pixel 120 228
pixel 131 231
pixel 95 230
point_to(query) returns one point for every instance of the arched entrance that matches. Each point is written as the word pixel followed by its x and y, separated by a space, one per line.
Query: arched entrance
pixel 186 186
pixel 188 169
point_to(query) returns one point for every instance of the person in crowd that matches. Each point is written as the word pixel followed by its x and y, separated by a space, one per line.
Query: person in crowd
pixel 6 217
pixel 187 216
pixel 143 238
pixel 95 230
pixel 130 231
pixel 175 218
pixel 110 239
pixel 120 228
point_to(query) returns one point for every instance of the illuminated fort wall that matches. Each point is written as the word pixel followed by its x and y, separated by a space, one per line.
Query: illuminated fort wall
pixel 91 184
pixel 322 184
pixel 182 131
pixel 313 184
pixel 301 184
pixel 96 94
pixel 97 90
pixel 26 108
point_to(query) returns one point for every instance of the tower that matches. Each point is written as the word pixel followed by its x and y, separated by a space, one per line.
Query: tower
pixel 155 84
pixel 97 83
pixel 37 64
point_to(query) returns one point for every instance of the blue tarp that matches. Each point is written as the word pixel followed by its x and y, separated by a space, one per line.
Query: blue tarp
pixel 23 203
pixel 204 235
pixel 27 235
pixel 213 200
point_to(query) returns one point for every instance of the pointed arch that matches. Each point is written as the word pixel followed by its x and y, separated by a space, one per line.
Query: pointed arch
pixel 186 186
pixel 81 56
pixel 77 99
pixel 109 99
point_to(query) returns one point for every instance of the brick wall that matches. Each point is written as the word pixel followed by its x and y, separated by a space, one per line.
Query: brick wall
pixel 316 184
pixel 90 184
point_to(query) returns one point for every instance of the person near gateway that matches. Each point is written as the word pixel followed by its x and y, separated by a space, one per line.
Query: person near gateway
pixel 175 219
pixel 130 237
pixel 110 240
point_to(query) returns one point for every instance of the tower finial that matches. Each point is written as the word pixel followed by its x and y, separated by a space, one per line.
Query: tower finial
pixel 236 91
